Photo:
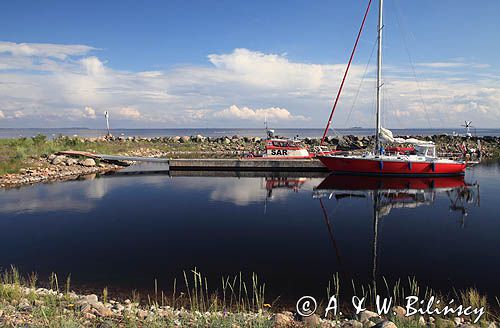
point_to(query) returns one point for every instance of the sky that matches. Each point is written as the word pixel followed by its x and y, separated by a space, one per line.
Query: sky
pixel 168 64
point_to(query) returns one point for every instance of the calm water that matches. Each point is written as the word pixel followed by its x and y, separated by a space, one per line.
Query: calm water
pixel 311 133
pixel 126 230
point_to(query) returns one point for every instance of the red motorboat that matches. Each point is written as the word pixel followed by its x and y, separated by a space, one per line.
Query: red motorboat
pixel 418 160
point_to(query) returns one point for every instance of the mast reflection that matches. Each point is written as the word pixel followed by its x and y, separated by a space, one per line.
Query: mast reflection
pixel 387 193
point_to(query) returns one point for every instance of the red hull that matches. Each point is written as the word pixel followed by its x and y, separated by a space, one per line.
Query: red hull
pixel 342 182
pixel 386 167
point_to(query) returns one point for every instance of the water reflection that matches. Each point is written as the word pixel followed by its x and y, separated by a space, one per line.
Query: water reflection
pixel 154 226
pixel 388 193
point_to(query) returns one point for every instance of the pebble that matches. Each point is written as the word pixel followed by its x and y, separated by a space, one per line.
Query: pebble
pixel 92 298
pixel 366 315
pixel 385 324
pixel 311 321
pixel 399 311
pixel 142 314
pixel 351 324
pixel 282 320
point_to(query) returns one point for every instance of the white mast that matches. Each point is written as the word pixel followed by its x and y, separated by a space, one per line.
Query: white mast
pixel 379 76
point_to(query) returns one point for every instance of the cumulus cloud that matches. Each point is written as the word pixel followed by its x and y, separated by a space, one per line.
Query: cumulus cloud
pixel 89 112
pixel 51 84
pixel 2 115
pixel 93 66
pixel 260 114
pixel 269 70
pixel 129 113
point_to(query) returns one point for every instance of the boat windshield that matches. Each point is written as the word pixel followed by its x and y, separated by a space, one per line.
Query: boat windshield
pixel 426 150
pixel 285 143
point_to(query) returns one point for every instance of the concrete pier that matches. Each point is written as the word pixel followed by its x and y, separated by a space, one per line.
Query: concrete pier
pixel 211 164
pixel 295 165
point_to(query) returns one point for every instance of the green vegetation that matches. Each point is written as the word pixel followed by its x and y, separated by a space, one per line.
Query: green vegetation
pixel 233 303
pixel 19 153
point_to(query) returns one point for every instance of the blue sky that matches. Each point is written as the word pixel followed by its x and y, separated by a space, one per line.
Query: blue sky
pixel 230 63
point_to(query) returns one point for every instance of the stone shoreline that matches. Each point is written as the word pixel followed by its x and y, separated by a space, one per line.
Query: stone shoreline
pixel 28 307
pixel 55 168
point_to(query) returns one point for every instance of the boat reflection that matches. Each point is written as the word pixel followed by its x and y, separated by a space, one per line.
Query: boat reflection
pixel 387 193
pixel 398 192
pixel 286 183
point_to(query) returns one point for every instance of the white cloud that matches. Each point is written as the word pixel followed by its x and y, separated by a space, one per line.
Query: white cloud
pixel 59 51
pixel 89 112
pixel 260 114
pixel 441 64
pixel 2 115
pixel 129 113
pixel 51 84
pixel 93 66
pixel 18 114
pixel 269 70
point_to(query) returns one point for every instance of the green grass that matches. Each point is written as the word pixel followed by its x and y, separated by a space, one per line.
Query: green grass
pixel 16 153
pixel 232 302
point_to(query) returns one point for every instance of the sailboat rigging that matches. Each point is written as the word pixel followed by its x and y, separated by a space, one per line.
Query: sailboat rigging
pixel 421 161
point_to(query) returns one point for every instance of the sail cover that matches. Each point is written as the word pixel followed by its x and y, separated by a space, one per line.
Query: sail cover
pixel 386 135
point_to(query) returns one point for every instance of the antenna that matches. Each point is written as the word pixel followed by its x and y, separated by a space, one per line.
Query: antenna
pixel 467 126
pixel 106 115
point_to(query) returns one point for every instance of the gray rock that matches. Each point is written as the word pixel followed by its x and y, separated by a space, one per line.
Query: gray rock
pixel 282 320
pixel 226 141
pixel 385 324
pixel 466 325
pixel 351 324
pixel 312 321
pixel 102 310
pixel 58 160
pixel 24 305
pixel 51 157
pixel 399 311
pixel 71 161
pixel 366 315
pixel 91 299
pixel 198 138
pixel 88 162
pixel 142 314
pixel 368 324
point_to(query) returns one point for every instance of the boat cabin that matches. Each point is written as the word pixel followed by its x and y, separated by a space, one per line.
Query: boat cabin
pixel 427 150
pixel 286 148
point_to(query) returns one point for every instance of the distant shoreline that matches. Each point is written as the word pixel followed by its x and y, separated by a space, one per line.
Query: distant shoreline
pixel 217 132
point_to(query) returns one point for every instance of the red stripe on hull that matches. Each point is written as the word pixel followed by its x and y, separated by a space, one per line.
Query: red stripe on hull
pixel 353 182
pixel 380 167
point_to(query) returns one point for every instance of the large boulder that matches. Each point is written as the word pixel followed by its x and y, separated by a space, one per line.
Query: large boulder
pixel 58 160
pixel 88 162
pixel 198 138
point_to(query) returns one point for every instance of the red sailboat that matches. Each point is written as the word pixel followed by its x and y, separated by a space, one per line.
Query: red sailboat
pixel 421 161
